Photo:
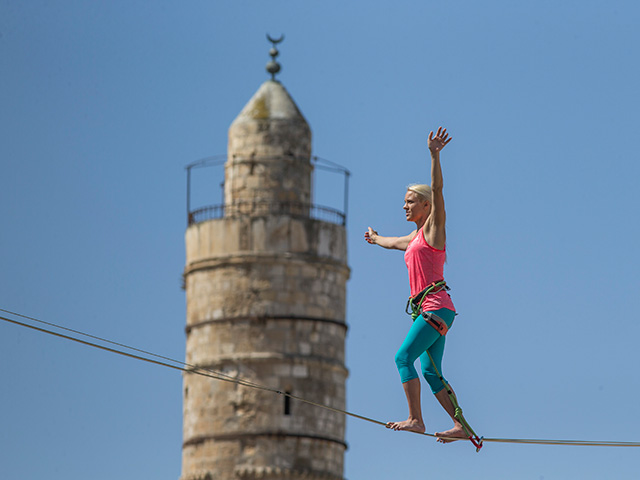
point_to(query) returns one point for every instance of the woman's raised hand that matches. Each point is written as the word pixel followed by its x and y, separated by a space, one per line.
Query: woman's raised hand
pixel 438 142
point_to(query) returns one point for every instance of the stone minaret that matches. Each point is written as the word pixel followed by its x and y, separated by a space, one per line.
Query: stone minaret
pixel 265 286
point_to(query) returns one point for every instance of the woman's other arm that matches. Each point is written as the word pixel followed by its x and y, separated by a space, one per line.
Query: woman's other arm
pixel 392 243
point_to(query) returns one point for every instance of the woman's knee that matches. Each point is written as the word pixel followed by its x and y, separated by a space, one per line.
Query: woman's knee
pixel 405 366
pixel 402 359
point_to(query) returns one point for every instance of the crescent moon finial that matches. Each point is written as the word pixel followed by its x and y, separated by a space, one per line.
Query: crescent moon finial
pixel 273 67
pixel 275 41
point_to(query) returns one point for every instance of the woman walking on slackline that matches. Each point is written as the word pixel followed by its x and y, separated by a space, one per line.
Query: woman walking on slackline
pixel 425 255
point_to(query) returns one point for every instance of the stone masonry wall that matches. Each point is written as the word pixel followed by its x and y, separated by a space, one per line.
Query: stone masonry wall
pixel 265 303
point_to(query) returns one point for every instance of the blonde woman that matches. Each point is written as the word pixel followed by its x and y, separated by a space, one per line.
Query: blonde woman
pixel 425 252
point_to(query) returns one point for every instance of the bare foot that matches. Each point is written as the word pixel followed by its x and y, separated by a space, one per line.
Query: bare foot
pixel 410 425
pixel 457 432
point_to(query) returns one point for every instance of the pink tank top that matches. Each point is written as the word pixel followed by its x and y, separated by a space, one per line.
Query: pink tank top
pixel 426 265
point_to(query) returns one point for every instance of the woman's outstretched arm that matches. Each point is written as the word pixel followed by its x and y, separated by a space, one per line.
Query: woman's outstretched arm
pixel 393 243
pixel 435 229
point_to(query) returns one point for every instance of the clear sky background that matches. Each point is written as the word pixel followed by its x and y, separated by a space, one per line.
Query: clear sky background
pixel 102 104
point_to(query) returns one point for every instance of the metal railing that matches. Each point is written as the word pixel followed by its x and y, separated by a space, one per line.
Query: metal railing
pixel 257 207
pixel 263 208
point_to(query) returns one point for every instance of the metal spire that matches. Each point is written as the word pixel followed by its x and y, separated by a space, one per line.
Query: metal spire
pixel 273 67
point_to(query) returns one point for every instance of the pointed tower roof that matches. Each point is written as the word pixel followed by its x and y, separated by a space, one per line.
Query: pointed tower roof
pixel 270 102
pixel 270 124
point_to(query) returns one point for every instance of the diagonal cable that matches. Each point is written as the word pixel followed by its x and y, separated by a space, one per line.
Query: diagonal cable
pixel 185 367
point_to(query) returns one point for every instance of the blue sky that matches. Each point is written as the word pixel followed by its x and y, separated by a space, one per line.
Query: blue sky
pixel 103 104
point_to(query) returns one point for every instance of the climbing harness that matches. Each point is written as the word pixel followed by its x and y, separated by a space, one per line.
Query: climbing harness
pixel 442 328
pixel 415 301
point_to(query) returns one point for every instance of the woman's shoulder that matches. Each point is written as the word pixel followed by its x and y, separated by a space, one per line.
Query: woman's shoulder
pixel 412 235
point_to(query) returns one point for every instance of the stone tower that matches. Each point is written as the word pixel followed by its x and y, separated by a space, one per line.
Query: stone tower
pixel 266 284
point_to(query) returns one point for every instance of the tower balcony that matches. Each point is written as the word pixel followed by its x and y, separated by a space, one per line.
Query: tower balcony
pixel 263 208
pixel 199 189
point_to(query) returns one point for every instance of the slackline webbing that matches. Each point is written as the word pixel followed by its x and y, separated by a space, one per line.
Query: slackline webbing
pixel 193 369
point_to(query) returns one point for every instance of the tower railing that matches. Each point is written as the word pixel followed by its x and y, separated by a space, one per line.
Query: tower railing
pixel 257 208
pixel 261 207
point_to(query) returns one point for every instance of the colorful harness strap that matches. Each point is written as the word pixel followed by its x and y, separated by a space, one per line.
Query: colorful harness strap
pixel 436 322
pixel 471 435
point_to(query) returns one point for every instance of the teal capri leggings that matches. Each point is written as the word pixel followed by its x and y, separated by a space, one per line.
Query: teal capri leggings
pixel 423 337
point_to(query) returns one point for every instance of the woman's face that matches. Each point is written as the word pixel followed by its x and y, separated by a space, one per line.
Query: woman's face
pixel 414 207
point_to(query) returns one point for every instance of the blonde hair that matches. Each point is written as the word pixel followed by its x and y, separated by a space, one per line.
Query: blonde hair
pixel 423 191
